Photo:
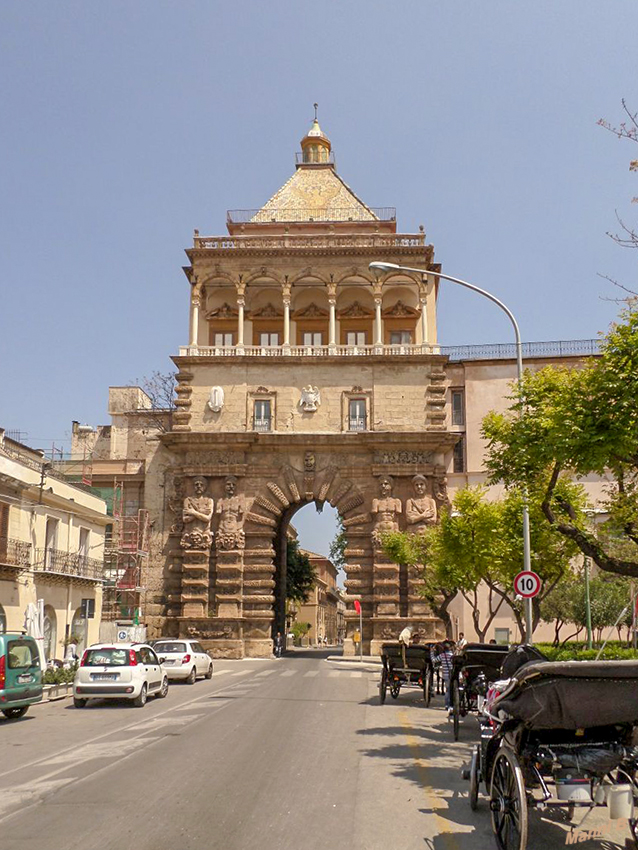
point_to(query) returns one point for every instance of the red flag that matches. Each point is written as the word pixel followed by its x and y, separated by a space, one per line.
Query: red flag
pixel 357 606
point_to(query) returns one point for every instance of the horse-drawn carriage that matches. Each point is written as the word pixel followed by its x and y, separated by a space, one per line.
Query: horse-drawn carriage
pixel 566 726
pixel 404 666
pixel 474 668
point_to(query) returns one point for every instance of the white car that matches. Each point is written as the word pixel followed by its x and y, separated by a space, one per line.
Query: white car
pixel 184 659
pixel 119 671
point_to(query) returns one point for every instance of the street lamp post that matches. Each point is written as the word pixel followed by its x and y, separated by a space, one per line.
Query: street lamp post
pixel 527 558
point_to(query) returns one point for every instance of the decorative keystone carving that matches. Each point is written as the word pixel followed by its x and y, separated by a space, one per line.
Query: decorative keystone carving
pixel 291 483
pixel 351 503
pixel 261 520
pixel 359 519
pixel 278 493
pixel 270 506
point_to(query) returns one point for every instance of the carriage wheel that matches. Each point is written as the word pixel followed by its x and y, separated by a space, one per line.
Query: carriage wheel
pixel 395 688
pixel 431 684
pixel 456 708
pixel 475 776
pixel 383 686
pixel 508 802
pixel 427 688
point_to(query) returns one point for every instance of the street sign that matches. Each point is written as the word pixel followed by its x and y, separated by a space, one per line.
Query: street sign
pixel 527 584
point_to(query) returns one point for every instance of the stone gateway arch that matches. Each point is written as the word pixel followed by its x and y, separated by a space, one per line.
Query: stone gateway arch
pixel 306 378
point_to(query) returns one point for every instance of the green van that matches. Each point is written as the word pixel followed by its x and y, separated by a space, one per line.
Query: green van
pixel 20 674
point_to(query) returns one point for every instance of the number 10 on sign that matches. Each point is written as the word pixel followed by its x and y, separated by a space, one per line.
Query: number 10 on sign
pixel 527 584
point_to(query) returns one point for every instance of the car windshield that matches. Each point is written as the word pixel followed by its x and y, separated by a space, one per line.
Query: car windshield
pixel 108 657
pixel 170 646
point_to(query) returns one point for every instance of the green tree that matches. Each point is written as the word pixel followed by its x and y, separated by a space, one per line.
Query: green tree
pixel 559 606
pixel 481 541
pixel 300 574
pixel 338 547
pixel 439 588
pixel 577 422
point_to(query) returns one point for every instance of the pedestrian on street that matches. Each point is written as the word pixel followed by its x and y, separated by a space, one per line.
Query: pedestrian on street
pixel 461 642
pixel 279 645
pixel 445 660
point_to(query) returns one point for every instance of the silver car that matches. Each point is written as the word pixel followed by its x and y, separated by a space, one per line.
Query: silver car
pixel 119 671
pixel 184 659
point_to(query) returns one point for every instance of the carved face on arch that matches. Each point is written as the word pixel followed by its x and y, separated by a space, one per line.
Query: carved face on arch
pixel 309 462
pixel 420 485
pixel 199 485
pixel 385 485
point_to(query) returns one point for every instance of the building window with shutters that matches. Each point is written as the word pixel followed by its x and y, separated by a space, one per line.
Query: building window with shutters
pixel 458 407
pixel 4 531
pixel 458 463
pixel 262 415
pixel 400 337
pixel 357 415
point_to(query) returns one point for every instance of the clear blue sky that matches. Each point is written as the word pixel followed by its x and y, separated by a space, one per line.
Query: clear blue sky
pixel 127 124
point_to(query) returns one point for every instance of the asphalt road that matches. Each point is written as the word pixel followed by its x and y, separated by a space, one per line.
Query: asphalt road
pixel 287 754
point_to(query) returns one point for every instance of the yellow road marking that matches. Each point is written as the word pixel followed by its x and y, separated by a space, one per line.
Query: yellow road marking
pixel 432 798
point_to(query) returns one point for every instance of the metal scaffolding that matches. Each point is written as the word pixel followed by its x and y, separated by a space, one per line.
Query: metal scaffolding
pixel 125 554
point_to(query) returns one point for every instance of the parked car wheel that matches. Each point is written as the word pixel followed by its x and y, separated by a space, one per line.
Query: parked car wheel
pixel 140 701
pixel 14 713
pixel 79 703
pixel 163 691
pixel 192 676
pixel 209 674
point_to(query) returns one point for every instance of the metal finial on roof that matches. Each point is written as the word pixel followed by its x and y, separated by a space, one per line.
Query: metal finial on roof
pixel 316 106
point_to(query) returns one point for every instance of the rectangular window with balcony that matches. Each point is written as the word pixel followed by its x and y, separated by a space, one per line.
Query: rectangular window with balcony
pixel 357 338
pixel 458 463
pixel 4 530
pixel 458 407
pixel 262 418
pixel 51 542
pixel 357 414
pixel 312 338
pixel 83 546
pixel 401 338
pixel 268 340
pixel 223 340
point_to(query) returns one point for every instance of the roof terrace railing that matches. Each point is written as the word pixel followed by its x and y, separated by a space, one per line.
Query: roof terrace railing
pixel 313 241
pixel 456 353
pixel 281 215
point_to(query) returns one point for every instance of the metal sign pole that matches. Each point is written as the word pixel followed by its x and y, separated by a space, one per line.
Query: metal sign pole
pixel 361 634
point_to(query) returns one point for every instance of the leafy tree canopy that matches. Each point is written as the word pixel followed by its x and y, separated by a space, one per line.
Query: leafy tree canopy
pixel 300 574
pixel 578 422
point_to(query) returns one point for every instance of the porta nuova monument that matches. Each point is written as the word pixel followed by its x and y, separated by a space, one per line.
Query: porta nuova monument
pixel 306 379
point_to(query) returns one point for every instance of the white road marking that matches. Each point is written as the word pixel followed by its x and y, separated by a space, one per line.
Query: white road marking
pixel 264 673
pixel 13 799
pixel 217 703
pixel 311 673
pixel 289 673
pixel 334 674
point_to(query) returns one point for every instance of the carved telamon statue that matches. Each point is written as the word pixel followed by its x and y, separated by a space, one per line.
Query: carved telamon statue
pixel 197 515
pixel 420 509
pixel 385 510
pixel 232 511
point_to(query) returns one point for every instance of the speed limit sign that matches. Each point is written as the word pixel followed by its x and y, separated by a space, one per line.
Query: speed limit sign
pixel 527 584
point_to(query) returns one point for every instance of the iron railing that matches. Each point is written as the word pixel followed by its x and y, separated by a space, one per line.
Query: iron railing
pixel 14 553
pixel 73 564
pixel 295 214
pixel 261 425
pixel 456 353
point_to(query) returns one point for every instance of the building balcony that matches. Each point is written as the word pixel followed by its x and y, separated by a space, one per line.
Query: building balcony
pixel 305 350
pixel 14 553
pixel 69 564
pixel 318 242
pixel 455 353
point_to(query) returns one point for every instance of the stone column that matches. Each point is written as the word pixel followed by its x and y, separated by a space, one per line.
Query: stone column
pixel 332 323
pixel 424 321
pixel 240 323
pixel 377 314
pixel 286 322
pixel 194 316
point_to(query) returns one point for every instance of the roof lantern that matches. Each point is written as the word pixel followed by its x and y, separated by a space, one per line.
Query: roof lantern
pixel 315 145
